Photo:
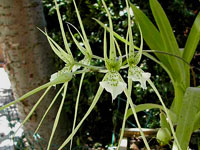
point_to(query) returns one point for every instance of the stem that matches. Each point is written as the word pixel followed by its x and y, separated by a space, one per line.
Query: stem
pixel 90 67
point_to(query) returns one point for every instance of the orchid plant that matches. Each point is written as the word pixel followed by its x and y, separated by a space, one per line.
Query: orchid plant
pixel 112 81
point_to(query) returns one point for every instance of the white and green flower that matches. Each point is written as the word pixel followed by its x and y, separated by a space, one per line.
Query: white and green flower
pixel 113 84
pixel 137 74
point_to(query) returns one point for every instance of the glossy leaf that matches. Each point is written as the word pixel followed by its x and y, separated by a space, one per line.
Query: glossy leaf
pixel 169 41
pixel 189 109
pixel 192 41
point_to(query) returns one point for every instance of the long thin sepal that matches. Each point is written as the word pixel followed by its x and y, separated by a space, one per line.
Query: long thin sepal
pixel 27 95
pixel 57 116
pixel 87 45
pixel 62 29
pixel 112 44
pixel 53 101
pixel 99 92
pixel 76 107
pixel 34 107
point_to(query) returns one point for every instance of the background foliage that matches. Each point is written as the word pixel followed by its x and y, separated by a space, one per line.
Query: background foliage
pixel 107 117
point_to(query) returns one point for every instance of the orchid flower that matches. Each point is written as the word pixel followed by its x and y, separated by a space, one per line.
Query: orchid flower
pixel 112 81
pixel 135 73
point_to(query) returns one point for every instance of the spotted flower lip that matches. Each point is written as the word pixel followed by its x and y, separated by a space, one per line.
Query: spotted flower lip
pixel 137 74
pixel 113 84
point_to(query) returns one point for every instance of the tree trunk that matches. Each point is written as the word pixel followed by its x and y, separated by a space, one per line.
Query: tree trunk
pixel 28 61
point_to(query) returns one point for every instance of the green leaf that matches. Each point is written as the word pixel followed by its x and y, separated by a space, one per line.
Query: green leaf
pixel 169 41
pixel 163 121
pixel 189 109
pixel 165 28
pixel 192 41
pixel 197 122
pixel 150 33
pixel 143 107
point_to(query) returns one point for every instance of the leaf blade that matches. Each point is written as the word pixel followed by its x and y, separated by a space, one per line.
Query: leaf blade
pixel 192 41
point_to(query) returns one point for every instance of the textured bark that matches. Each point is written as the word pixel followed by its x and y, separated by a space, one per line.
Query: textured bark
pixel 28 60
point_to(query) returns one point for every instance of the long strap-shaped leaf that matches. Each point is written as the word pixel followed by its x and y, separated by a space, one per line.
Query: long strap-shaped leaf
pixel 168 38
pixel 192 41
pixel 76 106
pixel 57 116
pixel 96 98
pixel 46 112
pixel 150 33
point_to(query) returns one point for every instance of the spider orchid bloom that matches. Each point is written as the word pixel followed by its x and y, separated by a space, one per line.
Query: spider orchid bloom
pixel 113 84
pixel 137 74
pixel 112 81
